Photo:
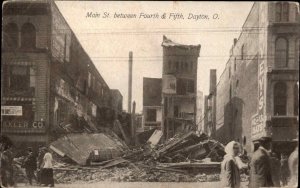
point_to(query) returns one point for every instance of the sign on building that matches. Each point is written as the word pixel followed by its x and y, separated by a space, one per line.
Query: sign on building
pixel 169 84
pixel 11 110
pixel 258 127
pixel 258 121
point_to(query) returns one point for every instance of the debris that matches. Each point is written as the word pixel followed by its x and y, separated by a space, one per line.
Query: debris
pixel 78 147
pixel 155 138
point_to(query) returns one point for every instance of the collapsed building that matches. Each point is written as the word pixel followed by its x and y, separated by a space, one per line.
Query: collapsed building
pixel 50 85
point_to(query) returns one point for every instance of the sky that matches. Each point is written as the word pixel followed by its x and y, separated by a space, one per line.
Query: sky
pixel 108 40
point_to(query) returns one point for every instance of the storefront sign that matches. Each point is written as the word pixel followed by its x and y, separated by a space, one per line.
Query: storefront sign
pixel 257 127
pixel 23 124
pixel 169 84
pixel 11 110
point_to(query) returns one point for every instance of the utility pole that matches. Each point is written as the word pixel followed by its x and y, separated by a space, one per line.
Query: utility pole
pixel 130 82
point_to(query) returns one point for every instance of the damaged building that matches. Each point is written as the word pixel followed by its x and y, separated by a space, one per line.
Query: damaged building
pixel 179 87
pixel 50 85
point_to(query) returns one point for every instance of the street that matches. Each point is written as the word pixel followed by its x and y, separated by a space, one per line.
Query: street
pixel 136 185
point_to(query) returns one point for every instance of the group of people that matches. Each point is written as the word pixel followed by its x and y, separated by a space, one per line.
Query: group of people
pixel 42 165
pixel 264 167
pixel 37 167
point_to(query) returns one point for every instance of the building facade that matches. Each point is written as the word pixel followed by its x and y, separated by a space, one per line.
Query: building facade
pixel 257 93
pixel 210 106
pixel 48 76
pixel 152 113
pixel 179 88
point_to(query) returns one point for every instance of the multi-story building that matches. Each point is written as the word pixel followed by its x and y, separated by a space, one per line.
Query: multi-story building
pixel 49 83
pixel 152 113
pixel 257 93
pixel 179 86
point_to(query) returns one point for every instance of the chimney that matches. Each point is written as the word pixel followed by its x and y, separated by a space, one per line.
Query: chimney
pixel 130 82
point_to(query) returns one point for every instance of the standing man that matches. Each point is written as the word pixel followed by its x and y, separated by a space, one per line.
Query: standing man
pixel 293 167
pixel 30 165
pixel 284 167
pixel 260 165
pixel 40 157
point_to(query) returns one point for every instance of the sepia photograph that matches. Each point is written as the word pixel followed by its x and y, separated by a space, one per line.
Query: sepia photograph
pixel 152 94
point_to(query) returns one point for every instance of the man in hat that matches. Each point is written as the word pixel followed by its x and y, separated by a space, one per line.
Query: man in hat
pixel 293 166
pixel 30 165
pixel 260 165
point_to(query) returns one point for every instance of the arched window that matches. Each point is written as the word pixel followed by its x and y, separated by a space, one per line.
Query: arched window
pixel 28 36
pixel 10 35
pixel 281 53
pixel 280 98
pixel 278 12
pixel 285 12
pixel 296 99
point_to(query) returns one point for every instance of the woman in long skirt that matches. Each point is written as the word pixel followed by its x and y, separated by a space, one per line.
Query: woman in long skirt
pixel 47 170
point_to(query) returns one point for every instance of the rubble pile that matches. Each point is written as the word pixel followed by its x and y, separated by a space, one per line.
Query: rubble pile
pixel 184 158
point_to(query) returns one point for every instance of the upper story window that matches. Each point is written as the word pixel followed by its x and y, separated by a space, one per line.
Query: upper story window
pixel 10 35
pixel 28 36
pixel 280 99
pixel 282 12
pixel 242 52
pixel 281 53
pixel 234 64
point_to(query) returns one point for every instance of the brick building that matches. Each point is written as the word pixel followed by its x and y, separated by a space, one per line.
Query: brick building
pixel 47 73
pixel 179 87
pixel 257 93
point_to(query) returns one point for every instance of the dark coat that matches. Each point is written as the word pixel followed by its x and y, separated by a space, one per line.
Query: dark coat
pixel 230 173
pixel 260 169
pixel 276 171
pixel 30 162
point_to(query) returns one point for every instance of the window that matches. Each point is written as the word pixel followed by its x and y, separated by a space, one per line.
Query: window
pixel 151 115
pixel 21 79
pixel 280 98
pixel 10 35
pixel 28 36
pixel 190 86
pixel 169 67
pixel 234 64
pixel 177 66
pixel 230 93
pixel 176 111
pixel 281 53
pixel 278 12
pixel 282 12
pixel 242 52
pixel 296 100
pixel 229 71
pixel 185 86
pixel 285 12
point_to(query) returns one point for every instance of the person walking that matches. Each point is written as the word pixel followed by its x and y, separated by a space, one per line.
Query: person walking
pixel 230 173
pixel 293 167
pixel 284 168
pixel 260 165
pixel 47 170
pixel 7 172
pixel 30 165
pixel 275 169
